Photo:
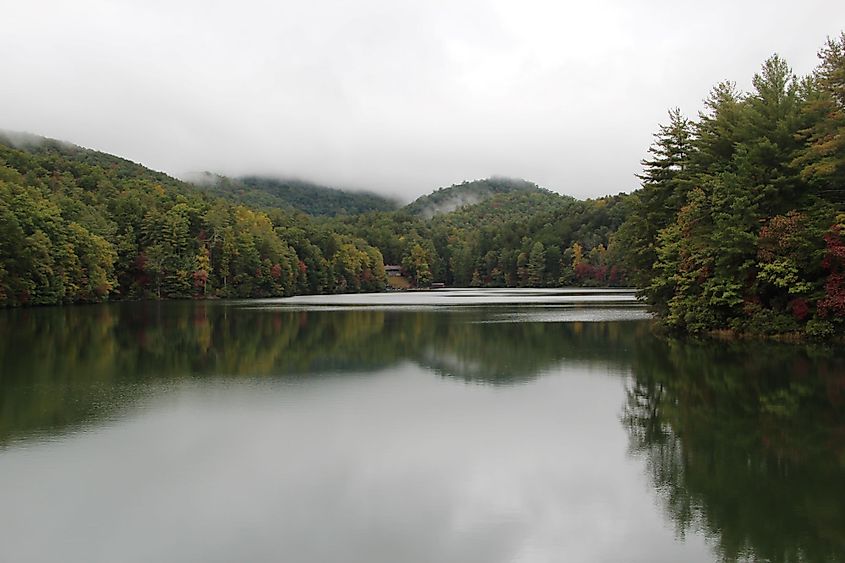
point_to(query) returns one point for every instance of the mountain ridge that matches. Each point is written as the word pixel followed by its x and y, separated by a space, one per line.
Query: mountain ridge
pixel 452 198
pixel 311 198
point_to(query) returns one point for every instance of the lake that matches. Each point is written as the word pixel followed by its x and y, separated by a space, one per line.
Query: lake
pixel 447 426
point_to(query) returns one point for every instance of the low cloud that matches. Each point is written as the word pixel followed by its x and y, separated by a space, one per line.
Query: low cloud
pixel 398 97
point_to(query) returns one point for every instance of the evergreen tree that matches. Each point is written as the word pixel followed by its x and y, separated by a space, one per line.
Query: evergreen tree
pixel 666 182
pixel 537 265
pixel 822 161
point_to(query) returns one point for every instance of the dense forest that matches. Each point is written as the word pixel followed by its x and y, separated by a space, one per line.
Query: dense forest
pixel 294 195
pixel 445 200
pixel 739 222
pixel 519 238
pixel 82 226
pixel 737 226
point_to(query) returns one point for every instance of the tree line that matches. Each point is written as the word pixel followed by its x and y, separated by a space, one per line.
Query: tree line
pixel 739 223
pixel 79 226
pixel 525 238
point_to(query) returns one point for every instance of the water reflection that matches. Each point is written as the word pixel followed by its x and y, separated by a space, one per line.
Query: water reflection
pixel 743 445
pixel 79 362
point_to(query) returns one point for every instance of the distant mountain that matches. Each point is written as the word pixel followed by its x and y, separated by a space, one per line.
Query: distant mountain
pixel 313 199
pixel 81 226
pixel 63 154
pixel 510 207
pixel 447 200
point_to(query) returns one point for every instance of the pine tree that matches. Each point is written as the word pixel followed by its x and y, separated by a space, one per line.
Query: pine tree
pixel 664 175
pixel 822 162
pixel 666 181
pixel 537 265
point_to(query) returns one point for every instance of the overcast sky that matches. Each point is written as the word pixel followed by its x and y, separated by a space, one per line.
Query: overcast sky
pixel 392 95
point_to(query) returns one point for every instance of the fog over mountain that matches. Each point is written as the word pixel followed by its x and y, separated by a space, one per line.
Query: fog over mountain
pixel 394 96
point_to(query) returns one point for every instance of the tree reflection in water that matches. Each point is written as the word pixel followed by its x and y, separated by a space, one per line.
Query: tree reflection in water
pixel 746 444
pixel 81 363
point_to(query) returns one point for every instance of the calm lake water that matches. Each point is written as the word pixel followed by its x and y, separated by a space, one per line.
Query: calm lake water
pixel 450 426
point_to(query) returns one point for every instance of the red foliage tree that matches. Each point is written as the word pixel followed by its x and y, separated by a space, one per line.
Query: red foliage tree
pixel 583 271
pixel 833 303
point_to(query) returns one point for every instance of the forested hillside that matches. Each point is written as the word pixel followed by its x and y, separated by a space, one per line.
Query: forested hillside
pixel 313 199
pixel 82 226
pixel 738 225
pixel 739 222
pixel 532 238
pixel 446 200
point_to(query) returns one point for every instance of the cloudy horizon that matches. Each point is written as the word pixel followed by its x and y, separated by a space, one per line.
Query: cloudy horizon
pixel 394 97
